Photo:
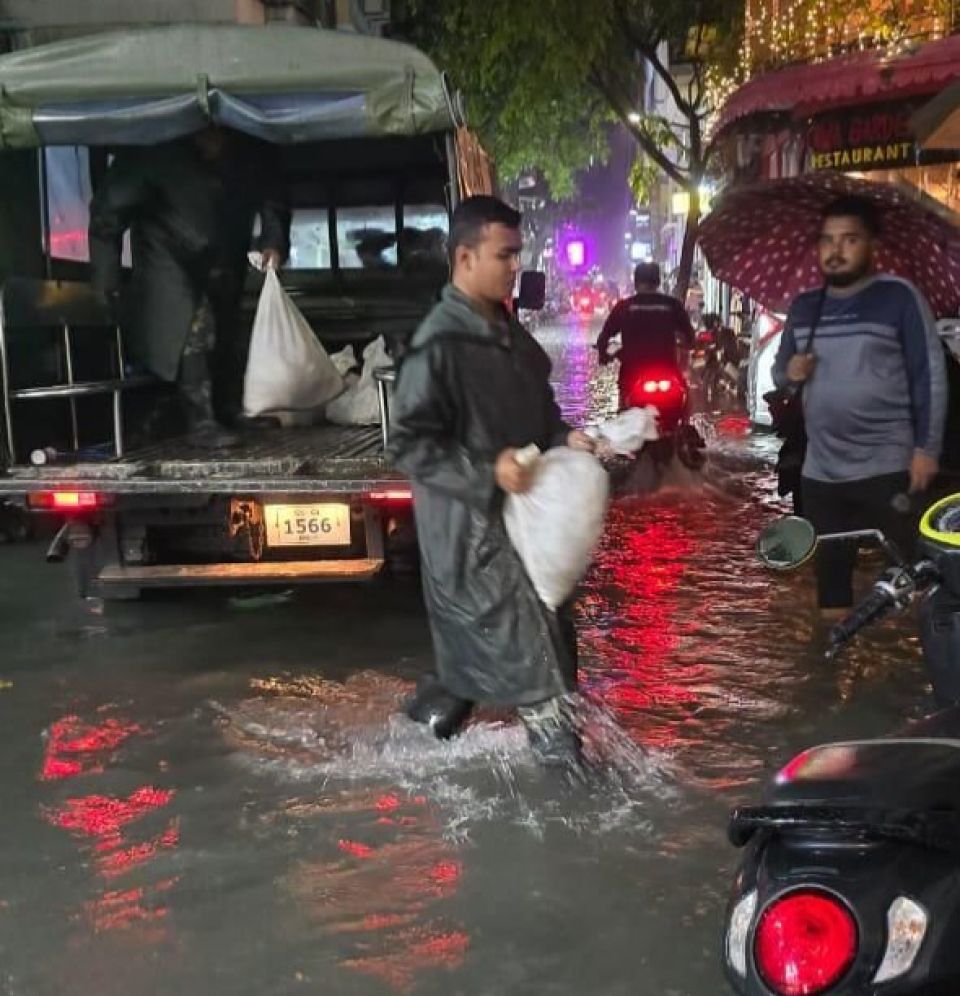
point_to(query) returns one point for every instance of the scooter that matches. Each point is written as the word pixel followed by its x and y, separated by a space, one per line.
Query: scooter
pixel 664 389
pixel 849 878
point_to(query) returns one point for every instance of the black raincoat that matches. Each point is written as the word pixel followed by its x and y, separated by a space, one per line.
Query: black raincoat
pixel 467 390
pixel 190 225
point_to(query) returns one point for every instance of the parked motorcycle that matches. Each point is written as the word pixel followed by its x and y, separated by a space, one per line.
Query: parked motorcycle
pixel 705 363
pixel 849 878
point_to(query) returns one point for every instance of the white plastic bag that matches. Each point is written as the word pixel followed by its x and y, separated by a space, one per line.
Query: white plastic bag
pixel 628 432
pixel 556 525
pixel 360 403
pixel 288 369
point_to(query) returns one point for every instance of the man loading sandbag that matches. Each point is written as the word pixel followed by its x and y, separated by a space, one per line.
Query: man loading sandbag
pixel 189 206
pixel 473 390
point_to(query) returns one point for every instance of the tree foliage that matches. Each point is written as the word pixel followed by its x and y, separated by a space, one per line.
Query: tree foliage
pixel 545 79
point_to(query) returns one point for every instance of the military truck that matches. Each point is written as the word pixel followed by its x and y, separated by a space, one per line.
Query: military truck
pixel 371 139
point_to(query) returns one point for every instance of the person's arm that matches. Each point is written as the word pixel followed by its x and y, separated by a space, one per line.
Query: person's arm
pixel 124 191
pixel 422 442
pixel 926 375
pixel 275 213
pixel 611 327
pixel 785 353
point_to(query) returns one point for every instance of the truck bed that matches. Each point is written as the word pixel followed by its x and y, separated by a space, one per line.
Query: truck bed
pixel 329 458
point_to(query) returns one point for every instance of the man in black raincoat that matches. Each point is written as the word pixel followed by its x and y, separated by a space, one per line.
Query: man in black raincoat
pixel 189 206
pixel 472 390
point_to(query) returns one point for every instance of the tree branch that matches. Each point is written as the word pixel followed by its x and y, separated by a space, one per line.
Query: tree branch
pixel 650 54
pixel 643 138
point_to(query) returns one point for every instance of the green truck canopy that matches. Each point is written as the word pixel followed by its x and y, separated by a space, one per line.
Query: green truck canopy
pixel 279 83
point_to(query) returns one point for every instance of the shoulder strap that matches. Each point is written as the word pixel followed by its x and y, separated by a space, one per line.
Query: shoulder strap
pixel 817 315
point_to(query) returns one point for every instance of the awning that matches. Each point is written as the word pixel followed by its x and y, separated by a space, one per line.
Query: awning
pixel 859 78
pixel 937 124
pixel 281 83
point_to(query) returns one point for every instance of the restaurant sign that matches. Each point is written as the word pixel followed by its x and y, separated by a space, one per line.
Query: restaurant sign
pixel 862 138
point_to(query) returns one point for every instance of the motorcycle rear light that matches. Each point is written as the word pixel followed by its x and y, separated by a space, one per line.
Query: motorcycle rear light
pixel 741 919
pixel 906 928
pixel 805 943
pixel 68 501
pixel 664 386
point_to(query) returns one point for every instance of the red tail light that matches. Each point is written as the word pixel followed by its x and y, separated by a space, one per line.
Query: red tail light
pixel 805 943
pixel 395 496
pixel 660 387
pixel 68 501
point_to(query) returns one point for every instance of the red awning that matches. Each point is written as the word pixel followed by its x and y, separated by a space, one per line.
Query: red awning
pixel 859 78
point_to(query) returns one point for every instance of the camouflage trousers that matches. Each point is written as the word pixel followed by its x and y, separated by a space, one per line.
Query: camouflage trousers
pixel 194 383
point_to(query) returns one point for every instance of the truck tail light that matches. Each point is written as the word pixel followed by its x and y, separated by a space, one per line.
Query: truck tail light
pixel 393 496
pixel 68 501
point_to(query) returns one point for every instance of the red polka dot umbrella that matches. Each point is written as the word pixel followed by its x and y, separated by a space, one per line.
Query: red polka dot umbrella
pixel 762 239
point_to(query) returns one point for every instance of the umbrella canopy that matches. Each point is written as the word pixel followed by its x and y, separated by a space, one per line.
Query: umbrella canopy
pixel 937 124
pixel 280 83
pixel 762 239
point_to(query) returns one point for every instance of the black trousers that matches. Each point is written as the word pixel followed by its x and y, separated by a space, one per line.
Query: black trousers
pixel 871 503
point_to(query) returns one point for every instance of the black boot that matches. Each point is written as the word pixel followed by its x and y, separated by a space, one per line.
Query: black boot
pixel 432 705
pixel 552 732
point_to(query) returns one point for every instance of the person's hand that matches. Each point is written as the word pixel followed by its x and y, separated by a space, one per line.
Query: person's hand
pixel 578 440
pixel 923 469
pixel 800 367
pixel 511 475
pixel 270 259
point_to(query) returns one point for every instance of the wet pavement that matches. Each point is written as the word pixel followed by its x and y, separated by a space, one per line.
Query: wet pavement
pixel 205 795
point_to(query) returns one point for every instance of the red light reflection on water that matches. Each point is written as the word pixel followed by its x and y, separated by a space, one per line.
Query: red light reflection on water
pixel 386 889
pixel 73 745
pixel 636 584
pixel 107 825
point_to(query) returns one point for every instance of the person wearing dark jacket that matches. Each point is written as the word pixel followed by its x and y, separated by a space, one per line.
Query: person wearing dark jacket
pixel 472 390
pixel 652 328
pixel 189 206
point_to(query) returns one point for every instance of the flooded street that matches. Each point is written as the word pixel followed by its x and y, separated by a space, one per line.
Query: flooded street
pixel 211 795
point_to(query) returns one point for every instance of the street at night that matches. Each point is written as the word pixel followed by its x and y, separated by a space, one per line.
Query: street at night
pixel 218 794
pixel 479 504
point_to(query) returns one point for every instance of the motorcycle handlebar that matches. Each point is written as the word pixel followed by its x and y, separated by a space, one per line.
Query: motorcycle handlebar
pixel 880 601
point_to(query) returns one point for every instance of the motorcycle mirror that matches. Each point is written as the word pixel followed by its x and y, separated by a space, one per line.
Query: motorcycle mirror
pixel 787 543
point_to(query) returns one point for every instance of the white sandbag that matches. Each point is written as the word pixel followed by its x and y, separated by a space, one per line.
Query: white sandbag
pixel 629 431
pixel 345 361
pixel 360 403
pixel 288 369
pixel 556 525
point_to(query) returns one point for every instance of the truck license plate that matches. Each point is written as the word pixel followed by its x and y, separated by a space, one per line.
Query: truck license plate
pixel 307 525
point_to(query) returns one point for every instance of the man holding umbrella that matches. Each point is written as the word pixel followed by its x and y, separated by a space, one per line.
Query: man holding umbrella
pixel 865 353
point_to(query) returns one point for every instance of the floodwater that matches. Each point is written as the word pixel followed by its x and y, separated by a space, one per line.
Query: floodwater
pixel 211 795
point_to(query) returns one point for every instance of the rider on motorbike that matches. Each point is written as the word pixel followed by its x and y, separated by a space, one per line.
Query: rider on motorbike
pixel 650 325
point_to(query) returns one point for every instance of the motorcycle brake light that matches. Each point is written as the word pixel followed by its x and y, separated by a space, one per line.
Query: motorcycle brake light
pixel 660 386
pixel 805 942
